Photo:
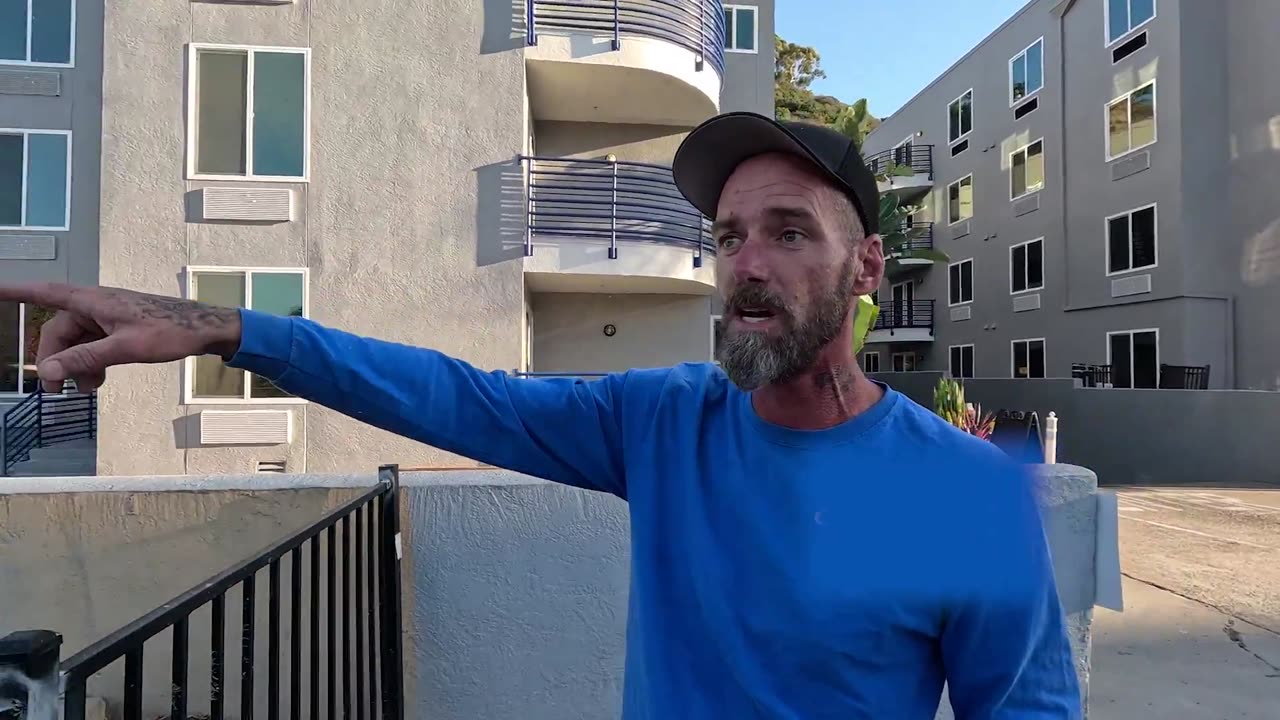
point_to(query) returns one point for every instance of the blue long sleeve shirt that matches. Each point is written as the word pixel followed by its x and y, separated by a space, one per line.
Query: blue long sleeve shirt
pixel 776 573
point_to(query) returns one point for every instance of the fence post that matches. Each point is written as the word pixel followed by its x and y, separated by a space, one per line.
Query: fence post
pixel 4 444
pixel 392 635
pixel 29 674
pixel 1051 439
pixel 613 211
pixel 528 198
pixel 617 35
pixel 530 37
pixel 39 417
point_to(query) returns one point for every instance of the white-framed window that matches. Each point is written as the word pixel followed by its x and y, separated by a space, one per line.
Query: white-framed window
pixel 1026 72
pixel 960 364
pixel 871 362
pixel 1026 169
pixel 1125 16
pixel 740 28
pixel 904 362
pixel 35 179
pixel 279 291
pixel 1131 121
pixel 960 282
pixel 960 117
pixel 1027 358
pixel 717 332
pixel 38 32
pixel 248 113
pixel 1131 240
pixel 1026 266
pixel 20 325
pixel 960 200
pixel 1134 357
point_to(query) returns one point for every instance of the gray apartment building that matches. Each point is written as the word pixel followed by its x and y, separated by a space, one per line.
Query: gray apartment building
pixel 1102 175
pixel 485 178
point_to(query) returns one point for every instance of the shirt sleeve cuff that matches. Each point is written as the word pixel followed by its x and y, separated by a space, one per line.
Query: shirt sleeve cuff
pixel 266 344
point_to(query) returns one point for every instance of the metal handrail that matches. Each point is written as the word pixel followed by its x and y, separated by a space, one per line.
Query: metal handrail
pixel 41 419
pixel 376 576
pixel 919 158
pixel 897 316
pixel 695 25
pixel 20 430
pixel 610 201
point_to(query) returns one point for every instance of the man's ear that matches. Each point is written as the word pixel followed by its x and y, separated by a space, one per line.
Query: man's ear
pixel 871 269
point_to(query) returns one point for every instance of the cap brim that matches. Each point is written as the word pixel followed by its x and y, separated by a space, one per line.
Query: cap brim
pixel 714 149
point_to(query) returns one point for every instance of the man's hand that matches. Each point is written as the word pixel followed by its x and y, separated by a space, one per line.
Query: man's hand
pixel 96 328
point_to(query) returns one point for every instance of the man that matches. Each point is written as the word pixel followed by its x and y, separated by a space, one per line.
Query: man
pixel 806 543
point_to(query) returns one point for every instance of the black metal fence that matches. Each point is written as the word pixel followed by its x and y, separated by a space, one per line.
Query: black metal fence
pixel 611 201
pixel 1092 376
pixel 896 315
pixel 695 25
pixel 332 588
pixel 42 419
pixel 916 158
pixel 923 236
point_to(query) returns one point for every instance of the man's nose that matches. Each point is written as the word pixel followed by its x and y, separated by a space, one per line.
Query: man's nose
pixel 750 264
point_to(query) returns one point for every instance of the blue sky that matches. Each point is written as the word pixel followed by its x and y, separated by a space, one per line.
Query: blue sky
pixel 888 50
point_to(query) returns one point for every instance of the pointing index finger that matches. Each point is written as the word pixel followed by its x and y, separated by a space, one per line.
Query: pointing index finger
pixel 51 295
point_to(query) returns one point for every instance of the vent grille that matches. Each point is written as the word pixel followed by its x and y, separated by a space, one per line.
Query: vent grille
pixel 959 147
pixel 272 466
pixel 960 229
pixel 1026 205
pixel 1136 285
pixel 1131 165
pixel 27 247
pixel 1129 47
pixel 1023 303
pixel 246 427
pixel 962 313
pixel 31 82
pixel 246 204
pixel 1026 108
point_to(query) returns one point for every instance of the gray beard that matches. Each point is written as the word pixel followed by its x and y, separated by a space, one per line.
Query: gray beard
pixel 755 359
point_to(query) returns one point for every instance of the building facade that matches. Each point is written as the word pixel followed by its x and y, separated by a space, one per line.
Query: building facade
pixel 1098 173
pixel 487 179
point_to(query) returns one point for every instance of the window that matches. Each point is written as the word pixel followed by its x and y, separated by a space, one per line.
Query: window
pixel 279 291
pixel 1026 170
pixel 904 362
pixel 1134 356
pixel 249 113
pixel 38 32
pixel 960 200
pixel 1125 16
pixel 1026 266
pixel 1131 121
pixel 740 28
pixel 960 282
pixel 961 365
pixel 871 362
pixel 960 117
pixel 1026 72
pixel 19 340
pixel 35 179
pixel 1131 240
pixel 1028 358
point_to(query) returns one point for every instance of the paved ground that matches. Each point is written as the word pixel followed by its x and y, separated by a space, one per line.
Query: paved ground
pixel 1200 635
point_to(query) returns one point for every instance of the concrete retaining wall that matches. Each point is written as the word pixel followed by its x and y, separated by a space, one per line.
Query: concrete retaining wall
pixel 1131 437
pixel 515 590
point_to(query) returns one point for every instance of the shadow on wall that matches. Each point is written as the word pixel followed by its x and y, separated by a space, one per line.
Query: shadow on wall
pixel 504 26
pixel 500 213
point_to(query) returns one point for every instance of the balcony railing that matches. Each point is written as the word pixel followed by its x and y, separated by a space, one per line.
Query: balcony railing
pixel 923 239
pixel 916 158
pixel 902 315
pixel 613 202
pixel 42 419
pixel 695 25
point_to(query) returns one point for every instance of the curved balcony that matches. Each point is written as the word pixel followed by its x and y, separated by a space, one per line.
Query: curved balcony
pixel 611 226
pixel 907 169
pixel 625 61
pixel 910 321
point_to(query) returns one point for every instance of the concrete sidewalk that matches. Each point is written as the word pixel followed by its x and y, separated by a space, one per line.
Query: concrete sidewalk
pixel 1170 658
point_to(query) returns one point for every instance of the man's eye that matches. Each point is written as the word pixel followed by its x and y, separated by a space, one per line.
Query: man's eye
pixel 728 241
pixel 791 236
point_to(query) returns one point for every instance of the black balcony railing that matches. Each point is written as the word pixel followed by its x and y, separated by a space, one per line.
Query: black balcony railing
pixel 903 315
pixel 923 236
pixel 695 25
pixel 343 632
pixel 42 419
pixel 1092 376
pixel 916 158
pixel 610 202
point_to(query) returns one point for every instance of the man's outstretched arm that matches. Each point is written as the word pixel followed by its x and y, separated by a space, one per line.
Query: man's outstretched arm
pixel 562 430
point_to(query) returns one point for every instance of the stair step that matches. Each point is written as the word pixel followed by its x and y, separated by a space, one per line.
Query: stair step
pixel 57 453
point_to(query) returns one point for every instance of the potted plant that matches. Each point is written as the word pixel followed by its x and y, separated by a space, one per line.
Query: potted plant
pixel 949 404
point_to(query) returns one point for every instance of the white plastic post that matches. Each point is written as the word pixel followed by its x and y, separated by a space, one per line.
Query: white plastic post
pixel 1051 439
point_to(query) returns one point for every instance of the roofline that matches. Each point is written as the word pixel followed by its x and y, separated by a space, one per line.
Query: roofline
pixel 1062 7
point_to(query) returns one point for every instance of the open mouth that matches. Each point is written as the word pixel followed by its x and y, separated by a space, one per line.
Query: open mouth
pixel 754 315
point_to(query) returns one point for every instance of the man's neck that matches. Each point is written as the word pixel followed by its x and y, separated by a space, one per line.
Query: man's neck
pixel 833 391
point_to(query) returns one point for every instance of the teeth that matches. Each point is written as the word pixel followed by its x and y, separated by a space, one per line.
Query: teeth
pixel 751 319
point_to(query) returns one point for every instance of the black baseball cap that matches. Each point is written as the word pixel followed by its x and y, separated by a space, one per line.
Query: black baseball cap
pixel 713 150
